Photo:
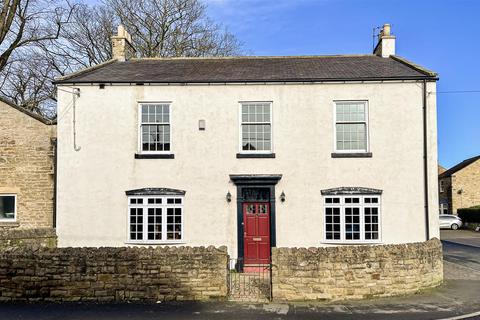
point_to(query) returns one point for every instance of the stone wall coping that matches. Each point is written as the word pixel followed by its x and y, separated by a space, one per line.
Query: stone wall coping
pixel 113 251
pixel 434 242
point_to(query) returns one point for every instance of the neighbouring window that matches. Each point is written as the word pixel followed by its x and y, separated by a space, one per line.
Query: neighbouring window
pixel 8 204
pixel 155 128
pixel 441 185
pixel 256 127
pixel 351 126
pixel 443 208
pixel 352 218
pixel 155 219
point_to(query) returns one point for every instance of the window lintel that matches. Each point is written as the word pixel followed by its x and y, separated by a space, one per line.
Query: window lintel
pixel 350 191
pixel 155 192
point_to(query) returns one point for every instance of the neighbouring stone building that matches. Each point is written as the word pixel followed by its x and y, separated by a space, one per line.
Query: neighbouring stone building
pixel 27 149
pixel 459 186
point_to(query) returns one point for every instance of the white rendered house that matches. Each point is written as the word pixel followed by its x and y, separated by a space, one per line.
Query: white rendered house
pixel 248 152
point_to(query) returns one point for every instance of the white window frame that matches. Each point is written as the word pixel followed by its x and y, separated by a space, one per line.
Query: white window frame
pixel 139 127
pixel 164 205
pixel 367 125
pixel 441 187
pixel 14 207
pixel 240 130
pixel 362 205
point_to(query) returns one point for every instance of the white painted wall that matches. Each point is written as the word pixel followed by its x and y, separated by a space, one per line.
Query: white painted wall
pixel 92 206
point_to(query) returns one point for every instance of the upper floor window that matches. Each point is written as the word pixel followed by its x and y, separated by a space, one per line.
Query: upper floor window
pixel 8 207
pixel 351 126
pixel 155 128
pixel 442 187
pixel 256 127
pixel 352 217
pixel 155 217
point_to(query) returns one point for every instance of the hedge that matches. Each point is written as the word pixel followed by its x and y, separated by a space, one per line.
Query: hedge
pixel 470 214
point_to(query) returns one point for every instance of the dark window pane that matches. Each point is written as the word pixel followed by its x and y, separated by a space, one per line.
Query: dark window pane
pixel 7 207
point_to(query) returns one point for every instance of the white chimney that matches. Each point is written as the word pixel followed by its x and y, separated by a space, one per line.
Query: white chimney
pixel 386 43
pixel 122 48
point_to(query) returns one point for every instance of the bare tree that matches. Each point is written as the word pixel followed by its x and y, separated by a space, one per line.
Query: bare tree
pixel 27 82
pixel 59 38
pixel 28 22
pixel 164 28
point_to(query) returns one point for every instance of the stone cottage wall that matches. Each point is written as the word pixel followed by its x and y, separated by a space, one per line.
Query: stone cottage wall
pixel 32 238
pixel 355 272
pixel 27 167
pixel 113 274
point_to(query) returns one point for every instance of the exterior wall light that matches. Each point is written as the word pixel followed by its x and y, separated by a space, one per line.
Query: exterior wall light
pixel 282 197
pixel 201 125
pixel 229 197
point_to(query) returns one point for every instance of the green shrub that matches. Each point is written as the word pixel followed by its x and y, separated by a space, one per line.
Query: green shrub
pixel 470 215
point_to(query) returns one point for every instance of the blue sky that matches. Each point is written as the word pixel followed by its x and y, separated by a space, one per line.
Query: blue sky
pixel 443 36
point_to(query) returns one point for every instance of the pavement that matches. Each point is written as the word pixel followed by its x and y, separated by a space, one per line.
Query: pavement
pixel 458 296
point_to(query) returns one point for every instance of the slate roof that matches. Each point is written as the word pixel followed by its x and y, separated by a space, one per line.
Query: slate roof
pixel 459 167
pixel 252 69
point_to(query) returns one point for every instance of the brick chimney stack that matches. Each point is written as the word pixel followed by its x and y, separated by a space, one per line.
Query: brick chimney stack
pixel 386 43
pixel 122 48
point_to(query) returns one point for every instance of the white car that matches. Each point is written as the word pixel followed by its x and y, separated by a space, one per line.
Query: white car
pixel 450 221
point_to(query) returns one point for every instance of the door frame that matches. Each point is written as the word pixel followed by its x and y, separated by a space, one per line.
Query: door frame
pixel 265 181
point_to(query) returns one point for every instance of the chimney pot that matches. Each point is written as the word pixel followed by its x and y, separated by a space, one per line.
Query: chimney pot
pixel 386 29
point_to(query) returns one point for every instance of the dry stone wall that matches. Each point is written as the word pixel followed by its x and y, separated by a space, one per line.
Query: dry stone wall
pixel 355 272
pixel 113 274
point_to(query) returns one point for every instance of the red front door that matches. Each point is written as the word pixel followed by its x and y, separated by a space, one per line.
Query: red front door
pixel 256 235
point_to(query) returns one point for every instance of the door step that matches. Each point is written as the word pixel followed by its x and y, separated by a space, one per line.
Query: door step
pixel 256 268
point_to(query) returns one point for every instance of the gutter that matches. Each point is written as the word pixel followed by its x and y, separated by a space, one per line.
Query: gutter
pixel 425 161
pixel 245 82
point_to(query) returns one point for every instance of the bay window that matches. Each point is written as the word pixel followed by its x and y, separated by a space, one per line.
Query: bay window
pixel 154 218
pixel 350 218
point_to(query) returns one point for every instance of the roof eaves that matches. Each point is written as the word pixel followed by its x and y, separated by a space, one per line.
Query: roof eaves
pixel 292 80
pixel 28 112
pixel 415 67
pixel 83 71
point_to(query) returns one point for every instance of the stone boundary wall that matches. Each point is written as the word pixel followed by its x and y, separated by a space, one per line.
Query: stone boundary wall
pixel 355 272
pixel 32 238
pixel 113 274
